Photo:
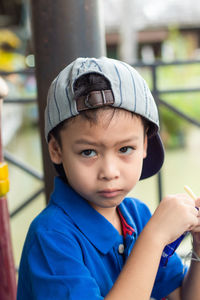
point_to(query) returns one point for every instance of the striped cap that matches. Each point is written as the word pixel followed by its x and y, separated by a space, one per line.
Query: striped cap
pixel 129 91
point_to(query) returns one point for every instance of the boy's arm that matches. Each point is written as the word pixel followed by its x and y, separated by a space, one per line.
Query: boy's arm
pixel 191 287
pixel 138 275
pixel 175 295
pixel 167 224
pixel 191 283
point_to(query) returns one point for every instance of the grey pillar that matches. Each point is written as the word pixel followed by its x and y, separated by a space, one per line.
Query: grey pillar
pixel 62 31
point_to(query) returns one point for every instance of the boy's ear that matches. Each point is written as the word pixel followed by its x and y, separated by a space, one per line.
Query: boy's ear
pixel 145 146
pixel 55 151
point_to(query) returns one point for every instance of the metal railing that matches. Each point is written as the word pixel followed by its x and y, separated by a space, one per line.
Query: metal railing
pixel 10 158
pixel 157 93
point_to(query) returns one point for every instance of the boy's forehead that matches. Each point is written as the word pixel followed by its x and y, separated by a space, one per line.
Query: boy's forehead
pixel 103 117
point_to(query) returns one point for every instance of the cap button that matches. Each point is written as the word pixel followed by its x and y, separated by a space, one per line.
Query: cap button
pixel 121 248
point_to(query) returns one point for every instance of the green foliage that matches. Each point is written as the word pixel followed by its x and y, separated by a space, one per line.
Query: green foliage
pixel 174 128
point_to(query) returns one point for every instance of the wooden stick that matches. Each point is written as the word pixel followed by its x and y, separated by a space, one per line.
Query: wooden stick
pixel 190 192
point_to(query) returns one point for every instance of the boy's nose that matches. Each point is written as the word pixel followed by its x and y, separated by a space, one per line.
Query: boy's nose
pixel 109 170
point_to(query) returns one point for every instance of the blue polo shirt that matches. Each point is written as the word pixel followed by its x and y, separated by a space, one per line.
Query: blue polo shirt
pixel 72 252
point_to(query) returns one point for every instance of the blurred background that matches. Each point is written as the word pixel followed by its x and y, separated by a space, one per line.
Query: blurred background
pixel 162 40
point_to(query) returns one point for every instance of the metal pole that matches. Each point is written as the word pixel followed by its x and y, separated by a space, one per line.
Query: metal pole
pixel 155 94
pixel 62 31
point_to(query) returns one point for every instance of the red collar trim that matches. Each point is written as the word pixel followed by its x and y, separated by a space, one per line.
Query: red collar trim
pixel 126 229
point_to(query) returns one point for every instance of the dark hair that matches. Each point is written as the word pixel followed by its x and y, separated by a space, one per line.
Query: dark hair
pixel 83 86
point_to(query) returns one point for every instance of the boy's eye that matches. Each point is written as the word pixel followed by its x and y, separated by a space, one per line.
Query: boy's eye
pixel 126 150
pixel 88 153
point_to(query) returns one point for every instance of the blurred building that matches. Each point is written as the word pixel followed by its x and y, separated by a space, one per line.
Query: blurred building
pixel 135 29
pixel 150 24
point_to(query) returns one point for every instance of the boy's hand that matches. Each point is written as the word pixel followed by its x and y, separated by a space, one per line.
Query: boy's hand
pixel 175 215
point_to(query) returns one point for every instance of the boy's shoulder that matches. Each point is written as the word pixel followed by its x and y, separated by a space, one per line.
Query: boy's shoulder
pixel 51 229
pixel 49 218
pixel 55 215
pixel 50 221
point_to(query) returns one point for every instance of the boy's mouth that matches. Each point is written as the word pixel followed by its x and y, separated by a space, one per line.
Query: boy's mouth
pixel 110 193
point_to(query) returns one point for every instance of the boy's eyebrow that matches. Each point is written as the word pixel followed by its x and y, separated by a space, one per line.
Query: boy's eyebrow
pixel 83 141
pixel 128 140
pixel 87 142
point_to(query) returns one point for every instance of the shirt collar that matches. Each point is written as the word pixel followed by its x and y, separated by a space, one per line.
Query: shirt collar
pixel 103 235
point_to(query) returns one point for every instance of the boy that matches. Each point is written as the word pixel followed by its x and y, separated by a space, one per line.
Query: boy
pixel 101 125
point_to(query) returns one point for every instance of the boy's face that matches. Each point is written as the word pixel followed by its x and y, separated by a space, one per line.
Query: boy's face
pixel 102 161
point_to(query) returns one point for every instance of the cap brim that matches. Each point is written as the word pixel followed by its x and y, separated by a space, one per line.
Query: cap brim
pixel 155 157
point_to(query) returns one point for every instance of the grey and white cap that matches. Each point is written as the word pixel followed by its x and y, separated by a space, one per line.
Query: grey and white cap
pixel 129 91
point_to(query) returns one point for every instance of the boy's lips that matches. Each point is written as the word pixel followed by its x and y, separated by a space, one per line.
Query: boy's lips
pixel 109 193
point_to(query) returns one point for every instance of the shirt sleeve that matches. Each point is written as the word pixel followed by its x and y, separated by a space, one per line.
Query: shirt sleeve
pixel 57 270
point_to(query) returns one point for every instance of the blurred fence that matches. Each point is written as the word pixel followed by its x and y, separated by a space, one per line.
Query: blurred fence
pixel 157 93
